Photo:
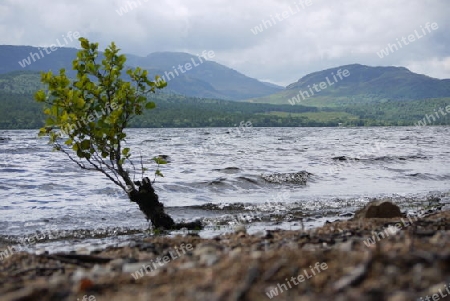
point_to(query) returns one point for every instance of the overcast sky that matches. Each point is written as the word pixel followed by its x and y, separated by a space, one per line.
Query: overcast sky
pixel 301 36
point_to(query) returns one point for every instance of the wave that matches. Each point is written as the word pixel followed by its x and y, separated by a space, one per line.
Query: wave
pixel 228 170
pixel 217 181
pixel 382 158
pixel 232 214
pixel 427 176
pixel 57 235
pixel 248 181
pixel 399 158
pixel 294 178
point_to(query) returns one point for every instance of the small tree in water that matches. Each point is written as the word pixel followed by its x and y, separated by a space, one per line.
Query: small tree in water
pixel 87 118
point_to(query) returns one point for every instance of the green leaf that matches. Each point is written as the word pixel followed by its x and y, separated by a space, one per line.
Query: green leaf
pixel 125 151
pixel 159 160
pixel 49 122
pixel 80 153
pixel 42 132
pixel 85 144
pixel 150 105
pixel 84 43
pixel 158 173
pixel 40 96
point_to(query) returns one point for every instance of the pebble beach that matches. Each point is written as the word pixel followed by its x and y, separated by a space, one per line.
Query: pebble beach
pixel 361 259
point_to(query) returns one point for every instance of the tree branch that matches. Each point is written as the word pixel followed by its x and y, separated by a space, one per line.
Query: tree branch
pixel 96 168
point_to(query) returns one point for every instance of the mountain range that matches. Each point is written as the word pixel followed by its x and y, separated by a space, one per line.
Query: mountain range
pixel 359 84
pixel 206 78
pixel 204 93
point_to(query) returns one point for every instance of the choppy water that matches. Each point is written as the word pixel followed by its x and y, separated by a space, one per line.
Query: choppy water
pixel 220 175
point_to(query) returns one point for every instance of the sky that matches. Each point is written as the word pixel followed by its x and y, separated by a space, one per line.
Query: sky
pixel 272 40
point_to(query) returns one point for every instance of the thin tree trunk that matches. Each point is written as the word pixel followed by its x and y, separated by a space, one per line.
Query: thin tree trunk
pixel 153 209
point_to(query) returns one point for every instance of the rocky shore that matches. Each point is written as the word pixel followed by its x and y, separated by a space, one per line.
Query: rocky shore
pixel 397 258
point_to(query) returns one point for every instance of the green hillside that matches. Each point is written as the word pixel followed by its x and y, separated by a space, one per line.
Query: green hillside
pixel 363 84
pixel 18 110
pixel 20 82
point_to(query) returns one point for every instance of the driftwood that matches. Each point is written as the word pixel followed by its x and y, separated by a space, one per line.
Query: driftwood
pixel 148 202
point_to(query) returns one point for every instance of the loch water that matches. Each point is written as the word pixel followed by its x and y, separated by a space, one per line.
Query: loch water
pixel 224 176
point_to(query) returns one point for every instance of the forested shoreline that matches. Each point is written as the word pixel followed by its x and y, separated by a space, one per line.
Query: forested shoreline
pixel 20 111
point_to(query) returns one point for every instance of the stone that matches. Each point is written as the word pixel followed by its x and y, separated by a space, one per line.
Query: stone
pixel 133 267
pixel 379 209
pixel 240 229
pixel 208 259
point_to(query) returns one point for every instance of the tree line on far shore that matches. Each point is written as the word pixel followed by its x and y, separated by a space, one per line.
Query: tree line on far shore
pixel 20 111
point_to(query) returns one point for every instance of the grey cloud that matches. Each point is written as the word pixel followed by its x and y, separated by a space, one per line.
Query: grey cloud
pixel 323 35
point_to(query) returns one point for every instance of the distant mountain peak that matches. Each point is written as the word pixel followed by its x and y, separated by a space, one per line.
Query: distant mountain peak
pixel 198 76
pixel 363 84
